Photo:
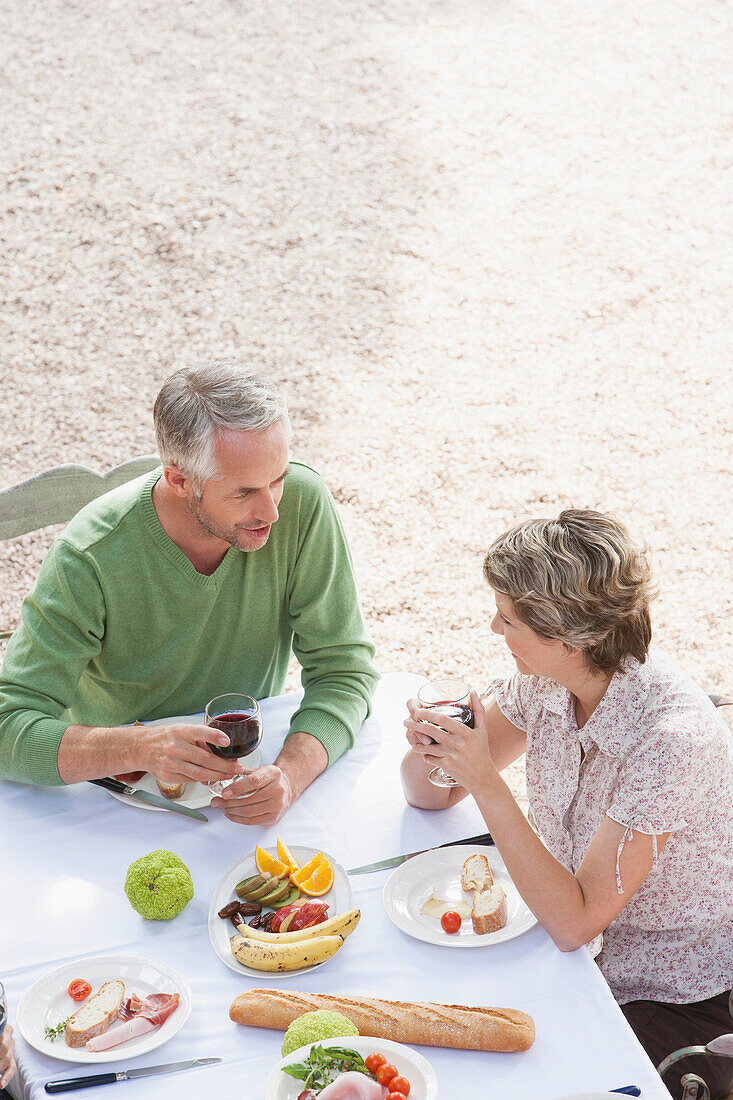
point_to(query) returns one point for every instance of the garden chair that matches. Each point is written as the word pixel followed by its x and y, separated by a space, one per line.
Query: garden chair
pixel 695 1087
pixel 57 494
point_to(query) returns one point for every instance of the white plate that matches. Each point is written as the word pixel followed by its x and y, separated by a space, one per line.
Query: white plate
pixel 197 795
pixel 439 872
pixel 339 898
pixel 47 1003
pixel 592 1096
pixel 417 1070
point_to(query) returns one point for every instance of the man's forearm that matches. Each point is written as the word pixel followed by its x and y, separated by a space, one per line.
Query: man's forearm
pixel 302 759
pixel 91 752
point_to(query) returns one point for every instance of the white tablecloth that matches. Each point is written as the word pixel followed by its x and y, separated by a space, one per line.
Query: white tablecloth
pixel 64 855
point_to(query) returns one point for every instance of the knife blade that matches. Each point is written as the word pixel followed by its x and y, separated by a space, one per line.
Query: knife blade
pixel 119 787
pixel 395 861
pixel 71 1083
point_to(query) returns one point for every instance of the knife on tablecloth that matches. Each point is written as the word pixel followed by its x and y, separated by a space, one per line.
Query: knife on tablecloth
pixel 124 1075
pixel 119 787
pixel 395 861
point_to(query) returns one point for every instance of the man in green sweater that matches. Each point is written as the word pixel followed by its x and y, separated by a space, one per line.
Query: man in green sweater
pixel 191 582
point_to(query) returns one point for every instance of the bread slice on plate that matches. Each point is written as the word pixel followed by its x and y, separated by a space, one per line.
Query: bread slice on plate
pixel 489 911
pixel 171 791
pixel 476 874
pixel 94 1017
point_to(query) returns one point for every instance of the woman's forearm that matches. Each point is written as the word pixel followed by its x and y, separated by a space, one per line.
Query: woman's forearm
pixel 419 791
pixel 551 891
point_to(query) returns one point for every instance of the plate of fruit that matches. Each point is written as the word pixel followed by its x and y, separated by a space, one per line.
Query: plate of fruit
pixel 281 910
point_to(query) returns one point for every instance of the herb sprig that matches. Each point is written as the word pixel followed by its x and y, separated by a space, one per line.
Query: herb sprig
pixel 324 1064
pixel 53 1033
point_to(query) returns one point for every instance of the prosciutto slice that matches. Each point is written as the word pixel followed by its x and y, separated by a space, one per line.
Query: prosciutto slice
pixel 157 1007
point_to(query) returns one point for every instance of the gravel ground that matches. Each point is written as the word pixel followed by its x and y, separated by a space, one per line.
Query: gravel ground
pixel 483 245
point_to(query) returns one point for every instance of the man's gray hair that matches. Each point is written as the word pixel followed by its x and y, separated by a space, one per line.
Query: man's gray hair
pixel 196 403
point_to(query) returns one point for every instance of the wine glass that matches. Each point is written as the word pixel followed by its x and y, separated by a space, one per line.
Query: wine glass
pixel 453 699
pixel 3 1009
pixel 239 717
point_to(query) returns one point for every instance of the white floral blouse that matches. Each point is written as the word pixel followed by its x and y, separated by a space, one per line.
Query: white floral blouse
pixel 657 758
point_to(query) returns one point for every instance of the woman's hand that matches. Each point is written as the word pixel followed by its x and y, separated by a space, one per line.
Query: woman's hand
pixel 7 1056
pixel 445 742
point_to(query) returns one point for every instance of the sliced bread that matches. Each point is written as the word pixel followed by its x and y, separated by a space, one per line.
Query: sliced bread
pixel 489 910
pixel 476 874
pixel 171 791
pixel 94 1017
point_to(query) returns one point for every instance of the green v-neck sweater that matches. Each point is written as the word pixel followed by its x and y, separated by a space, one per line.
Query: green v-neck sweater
pixel 119 626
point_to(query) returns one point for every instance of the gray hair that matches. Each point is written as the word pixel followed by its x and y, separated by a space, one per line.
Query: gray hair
pixel 580 579
pixel 196 403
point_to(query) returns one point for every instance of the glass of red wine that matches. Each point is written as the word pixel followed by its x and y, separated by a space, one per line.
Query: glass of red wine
pixel 239 717
pixel 453 699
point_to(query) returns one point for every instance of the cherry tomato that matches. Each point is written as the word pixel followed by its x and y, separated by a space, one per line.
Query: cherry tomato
pixel 395 1095
pixel 450 922
pixel 374 1061
pixel 400 1086
pixel 385 1073
pixel 79 989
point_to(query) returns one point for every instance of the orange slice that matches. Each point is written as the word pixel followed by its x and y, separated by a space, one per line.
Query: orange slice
pixel 269 865
pixel 287 857
pixel 306 871
pixel 320 881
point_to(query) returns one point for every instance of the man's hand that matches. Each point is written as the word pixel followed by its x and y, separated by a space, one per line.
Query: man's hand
pixel 263 795
pixel 259 798
pixel 180 753
pixel 174 754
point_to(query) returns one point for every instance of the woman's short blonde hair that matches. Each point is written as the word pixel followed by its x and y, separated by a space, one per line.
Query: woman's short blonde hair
pixel 580 579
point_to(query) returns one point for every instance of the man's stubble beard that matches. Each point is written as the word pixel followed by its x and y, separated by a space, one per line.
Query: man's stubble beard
pixel 230 535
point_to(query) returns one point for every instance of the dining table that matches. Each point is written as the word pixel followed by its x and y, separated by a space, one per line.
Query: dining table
pixel 64 855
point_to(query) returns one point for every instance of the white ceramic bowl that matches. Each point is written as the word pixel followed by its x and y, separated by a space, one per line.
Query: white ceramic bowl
pixel 417 1070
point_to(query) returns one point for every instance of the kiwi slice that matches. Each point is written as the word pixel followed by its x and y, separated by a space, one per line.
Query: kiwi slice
pixel 275 894
pixel 243 888
pixel 270 884
pixel 289 899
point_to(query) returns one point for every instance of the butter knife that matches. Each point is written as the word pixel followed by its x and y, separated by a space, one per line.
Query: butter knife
pixel 395 861
pixel 71 1083
pixel 119 787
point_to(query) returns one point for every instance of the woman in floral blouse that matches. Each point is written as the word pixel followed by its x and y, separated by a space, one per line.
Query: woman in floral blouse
pixel 629 780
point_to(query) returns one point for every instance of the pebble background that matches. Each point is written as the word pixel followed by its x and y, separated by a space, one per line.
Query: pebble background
pixel 482 244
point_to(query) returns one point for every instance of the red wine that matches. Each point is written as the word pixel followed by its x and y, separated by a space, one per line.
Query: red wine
pixel 3 1019
pixel 244 730
pixel 461 712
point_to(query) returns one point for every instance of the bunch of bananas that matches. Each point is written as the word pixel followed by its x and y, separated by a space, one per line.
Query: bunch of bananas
pixel 280 951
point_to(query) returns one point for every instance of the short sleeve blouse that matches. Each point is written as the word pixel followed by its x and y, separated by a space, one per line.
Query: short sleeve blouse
pixel 657 758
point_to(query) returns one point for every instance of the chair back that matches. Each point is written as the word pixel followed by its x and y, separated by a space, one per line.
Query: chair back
pixel 57 494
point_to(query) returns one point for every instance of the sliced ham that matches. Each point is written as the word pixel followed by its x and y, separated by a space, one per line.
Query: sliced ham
pixel 353 1086
pixel 121 1033
pixel 136 1017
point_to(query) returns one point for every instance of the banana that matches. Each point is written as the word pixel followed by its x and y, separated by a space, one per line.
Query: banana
pixel 284 956
pixel 343 924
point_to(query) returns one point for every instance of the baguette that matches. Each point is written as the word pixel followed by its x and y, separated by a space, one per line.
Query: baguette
pixel 94 1017
pixel 423 1023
